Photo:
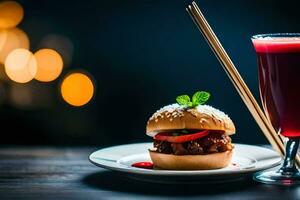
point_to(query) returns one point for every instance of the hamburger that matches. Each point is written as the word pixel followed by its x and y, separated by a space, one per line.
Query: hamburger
pixel 189 135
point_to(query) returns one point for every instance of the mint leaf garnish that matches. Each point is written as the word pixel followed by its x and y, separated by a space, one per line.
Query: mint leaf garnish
pixel 183 100
pixel 199 98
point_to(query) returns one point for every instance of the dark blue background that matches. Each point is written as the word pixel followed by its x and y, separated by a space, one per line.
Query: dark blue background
pixel 143 54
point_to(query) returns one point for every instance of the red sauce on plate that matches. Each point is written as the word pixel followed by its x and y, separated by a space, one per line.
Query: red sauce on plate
pixel 144 165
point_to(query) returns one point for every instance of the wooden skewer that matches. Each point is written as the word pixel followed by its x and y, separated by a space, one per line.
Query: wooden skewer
pixel 236 78
pixel 238 82
pixel 232 73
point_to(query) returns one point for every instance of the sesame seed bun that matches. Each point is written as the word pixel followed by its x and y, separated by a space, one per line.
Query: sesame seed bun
pixel 191 162
pixel 202 117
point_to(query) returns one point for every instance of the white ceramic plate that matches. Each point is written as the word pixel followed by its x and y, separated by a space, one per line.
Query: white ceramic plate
pixel 247 159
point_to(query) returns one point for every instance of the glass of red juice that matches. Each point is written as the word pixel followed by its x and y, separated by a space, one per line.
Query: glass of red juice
pixel 278 57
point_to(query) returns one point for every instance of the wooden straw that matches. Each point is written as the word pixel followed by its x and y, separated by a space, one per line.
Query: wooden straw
pixel 238 82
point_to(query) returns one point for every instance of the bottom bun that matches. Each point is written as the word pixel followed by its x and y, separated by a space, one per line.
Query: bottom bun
pixel 191 162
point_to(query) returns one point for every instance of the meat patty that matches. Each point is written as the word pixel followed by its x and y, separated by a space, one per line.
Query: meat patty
pixel 213 143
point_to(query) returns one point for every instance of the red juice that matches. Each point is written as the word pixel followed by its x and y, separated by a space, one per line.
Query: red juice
pixel 279 81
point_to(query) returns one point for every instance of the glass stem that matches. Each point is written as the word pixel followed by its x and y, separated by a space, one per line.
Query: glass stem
pixel 291 148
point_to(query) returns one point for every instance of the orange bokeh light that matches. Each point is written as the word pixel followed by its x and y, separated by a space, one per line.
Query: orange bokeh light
pixel 20 65
pixel 11 39
pixel 11 14
pixel 77 89
pixel 49 64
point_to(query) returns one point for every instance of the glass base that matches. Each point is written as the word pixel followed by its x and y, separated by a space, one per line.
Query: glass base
pixel 278 178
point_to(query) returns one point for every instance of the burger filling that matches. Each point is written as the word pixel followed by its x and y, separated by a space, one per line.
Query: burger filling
pixel 192 142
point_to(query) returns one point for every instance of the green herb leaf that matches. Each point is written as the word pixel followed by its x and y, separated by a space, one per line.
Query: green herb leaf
pixel 184 131
pixel 200 98
pixel 183 100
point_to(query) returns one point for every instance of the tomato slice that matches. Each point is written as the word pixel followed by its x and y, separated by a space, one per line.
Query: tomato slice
pixel 165 136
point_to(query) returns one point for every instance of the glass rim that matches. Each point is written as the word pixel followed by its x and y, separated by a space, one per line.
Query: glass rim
pixel 275 35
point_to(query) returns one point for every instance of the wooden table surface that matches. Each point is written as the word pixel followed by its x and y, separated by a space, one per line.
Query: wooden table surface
pixel 65 173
